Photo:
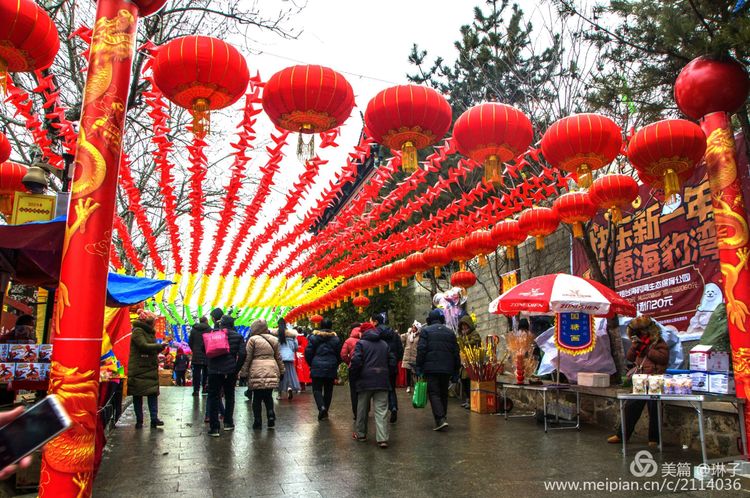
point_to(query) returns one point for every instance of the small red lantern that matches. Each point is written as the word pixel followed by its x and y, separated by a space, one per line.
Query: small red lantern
pixel 480 243
pixel 463 279
pixel 708 85
pixel 11 176
pixel 28 38
pixel 575 208
pixel 148 7
pixel 459 252
pixel 402 271
pixel 538 222
pixel 4 148
pixel 417 265
pixel 508 233
pixel 361 302
pixel 582 143
pixel 666 152
pixel 492 134
pixel 437 257
pixel 200 73
pixel 408 118
pixel 614 193
pixel 316 319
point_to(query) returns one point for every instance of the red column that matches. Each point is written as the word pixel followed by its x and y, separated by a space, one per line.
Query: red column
pixel 733 239
pixel 68 460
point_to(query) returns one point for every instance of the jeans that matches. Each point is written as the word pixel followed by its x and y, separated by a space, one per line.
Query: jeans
pixel 200 377
pixel 437 391
pixel 633 410
pixel 153 407
pixel 217 382
pixel 354 396
pixel 180 377
pixel 380 406
pixel 392 399
pixel 322 392
pixel 261 396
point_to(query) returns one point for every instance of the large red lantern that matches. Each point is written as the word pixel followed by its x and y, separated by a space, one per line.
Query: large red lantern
pixel 480 243
pixel 463 279
pixel 4 148
pixel 614 193
pixel 28 38
pixel 316 319
pixel 508 233
pixel 408 118
pixel 11 176
pixel 201 74
pixel 361 302
pixel 582 143
pixel 459 252
pixel 709 85
pixel 492 134
pixel 575 208
pixel 437 257
pixel 308 99
pixel 538 222
pixel 665 153
pixel 417 265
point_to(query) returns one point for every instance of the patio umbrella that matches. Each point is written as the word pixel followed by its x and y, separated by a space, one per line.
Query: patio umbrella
pixel 561 293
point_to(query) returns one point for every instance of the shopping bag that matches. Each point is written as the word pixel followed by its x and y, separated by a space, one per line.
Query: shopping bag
pixel 419 400
pixel 217 343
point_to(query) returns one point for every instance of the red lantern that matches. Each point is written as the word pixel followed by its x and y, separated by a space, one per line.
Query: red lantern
pixel 361 302
pixel 437 257
pixel 458 252
pixel 417 265
pixel 28 38
pixel 492 134
pixel 408 118
pixel 402 271
pixel 582 143
pixel 708 85
pixel 463 279
pixel 508 233
pixel 4 148
pixel 316 319
pixel 200 73
pixel 538 222
pixel 11 176
pixel 615 193
pixel 480 243
pixel 575 208
pixel 148 7
pixel 666 152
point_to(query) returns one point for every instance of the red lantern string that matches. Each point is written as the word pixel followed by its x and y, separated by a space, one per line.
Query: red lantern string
pixel 198 169
pixel 127 243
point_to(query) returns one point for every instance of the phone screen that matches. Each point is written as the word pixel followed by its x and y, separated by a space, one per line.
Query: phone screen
pixel 30 430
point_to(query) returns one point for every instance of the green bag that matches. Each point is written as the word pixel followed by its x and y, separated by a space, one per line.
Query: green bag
pixel 419 400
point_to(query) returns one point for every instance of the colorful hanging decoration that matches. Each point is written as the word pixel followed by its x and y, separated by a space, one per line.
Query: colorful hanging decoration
pixel 201 74
pixel 582 143
pixel 308 99
pixel 575 333
pixel 28 38
pixel 614 193
pixel 709 85
pixel 463 279
pixel 316 319
pixel 361 302
pixel 538 222
pixel 492 134
pixel 408 118
pixel 11 175
pixel 4 148
pixel 508 233
pixel 665 154
pixel 575 208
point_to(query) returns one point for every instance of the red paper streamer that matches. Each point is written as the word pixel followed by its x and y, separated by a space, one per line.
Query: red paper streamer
pixel 198 169
pixel 127 243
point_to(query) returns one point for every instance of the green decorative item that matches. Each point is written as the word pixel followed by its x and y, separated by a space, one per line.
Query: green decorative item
pixel 419 399
pixel 343 374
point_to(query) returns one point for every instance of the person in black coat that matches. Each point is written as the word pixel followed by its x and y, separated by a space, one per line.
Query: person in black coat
pixel 323 355
pixel 397 348
pixel 438 360
pixel 200 375
pixel 222 376
pixel 370 370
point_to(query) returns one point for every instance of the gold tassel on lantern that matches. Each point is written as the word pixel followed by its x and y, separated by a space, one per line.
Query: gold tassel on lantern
pixel 482 260
pixel 510 252
pixel 492 171
pixel 201 118
pixel 391 286
pixel 615 215
pixel 408 157
pixel 381 289
pixel 584 176
pixel 578 230
pixel 404 281
pixel 4 76
pixel 437 272
pixel 418 276
pixel 671 186
pixel 539 242
pixel 461 266
pixel 305 151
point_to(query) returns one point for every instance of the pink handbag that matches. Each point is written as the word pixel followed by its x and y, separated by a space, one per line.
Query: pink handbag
pixel 217 343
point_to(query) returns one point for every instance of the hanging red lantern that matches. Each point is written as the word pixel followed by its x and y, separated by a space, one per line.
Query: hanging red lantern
pixel 437 257
pixel 408 118
pixel 538 222
pixel 361 302
pixel 575 208
pixel 308 99
pixel 11 177
pixel 201 74
pixel 582 143
pixel 459 252
pixel 4 148
pixel 402 271
pixel 709 85
pixel 28 38
pixel 665 153
pixel 614 193
pixel 463 279
pixel 508 233
pixel 148 7
pixel 480 243
pixel 417 265
pixel 492 134
pixel 316 319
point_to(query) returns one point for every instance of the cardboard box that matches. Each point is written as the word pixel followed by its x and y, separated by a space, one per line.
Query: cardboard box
pixel 43 370
pixel 165 378
pixel 700 381
pixel 44 353
pixel 28 371
pixel 4 352
pixel 591 379
pixel 704 359
pixel 721 383
pixel 484 396
pixel 7 372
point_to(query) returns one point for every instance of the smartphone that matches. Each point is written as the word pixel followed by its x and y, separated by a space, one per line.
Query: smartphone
pixel 32 429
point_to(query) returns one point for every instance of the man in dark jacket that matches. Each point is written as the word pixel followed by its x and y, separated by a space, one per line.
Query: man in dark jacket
pixel 323 355
pixel 200 376
pixel 222 375
pixel 438 360
pixel 370 369
pixel 397 348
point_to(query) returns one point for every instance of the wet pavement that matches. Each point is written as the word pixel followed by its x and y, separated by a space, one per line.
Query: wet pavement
pixel 479 455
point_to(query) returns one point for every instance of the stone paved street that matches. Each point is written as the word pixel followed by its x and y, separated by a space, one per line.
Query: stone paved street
pixel 480 455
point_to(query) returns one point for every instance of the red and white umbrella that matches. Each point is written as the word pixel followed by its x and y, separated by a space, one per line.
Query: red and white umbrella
pixel 560 293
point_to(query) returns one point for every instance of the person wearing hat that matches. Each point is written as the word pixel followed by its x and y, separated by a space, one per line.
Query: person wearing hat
pixel 468 336
pixel 323 354
pixel 438 360
pixel 143 368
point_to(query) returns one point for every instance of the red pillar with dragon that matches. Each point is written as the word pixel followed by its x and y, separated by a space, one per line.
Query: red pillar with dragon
pixel 68 460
